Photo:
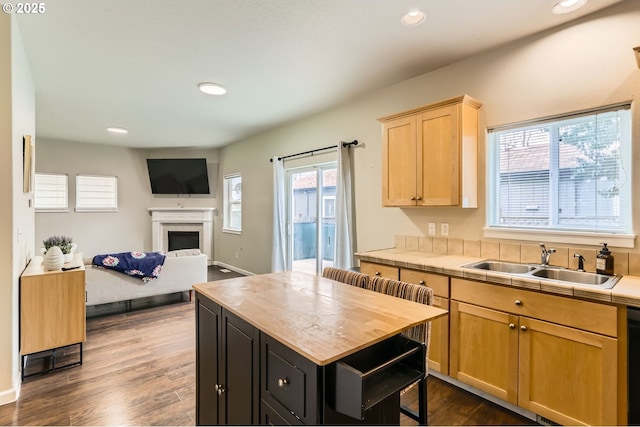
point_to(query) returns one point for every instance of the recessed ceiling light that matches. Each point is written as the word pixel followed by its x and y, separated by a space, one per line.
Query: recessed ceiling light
pixel 413 17
pixel 116 129
pixel 566 6
pixel 212 88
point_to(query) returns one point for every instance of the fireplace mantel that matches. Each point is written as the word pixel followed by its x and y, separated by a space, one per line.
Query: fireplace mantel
pixel 165 219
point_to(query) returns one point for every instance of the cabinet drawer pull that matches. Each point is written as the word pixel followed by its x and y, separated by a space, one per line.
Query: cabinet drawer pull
pixel 418 198
pixel 518 302
pixel 219 389
pixel 421 282
pixel 283 382
pixel 523 328
pixel 412 198
pixel 512 326
pixel 377 273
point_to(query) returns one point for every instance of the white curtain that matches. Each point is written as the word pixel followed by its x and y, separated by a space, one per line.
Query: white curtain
pixel 344 210
pixel 278 254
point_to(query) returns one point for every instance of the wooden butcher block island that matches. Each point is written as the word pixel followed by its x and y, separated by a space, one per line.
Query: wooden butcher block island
pixel 295 348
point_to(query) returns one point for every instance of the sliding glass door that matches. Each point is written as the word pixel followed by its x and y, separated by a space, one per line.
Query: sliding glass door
pixel 311 207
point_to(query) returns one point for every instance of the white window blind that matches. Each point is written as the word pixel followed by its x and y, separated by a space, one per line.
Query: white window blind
pixel 571 173
pixel 51 192
pixel 96 193
pixel 232 221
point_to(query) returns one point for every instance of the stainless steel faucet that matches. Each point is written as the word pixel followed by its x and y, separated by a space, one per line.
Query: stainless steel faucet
pixel 546 253
pixel 580 261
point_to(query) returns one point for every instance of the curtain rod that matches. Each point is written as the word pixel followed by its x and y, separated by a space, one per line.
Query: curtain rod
pixel 344 144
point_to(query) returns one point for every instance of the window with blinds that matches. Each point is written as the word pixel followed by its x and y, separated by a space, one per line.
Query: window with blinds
pixel 96 193
pixel 51 192
pixel 570 173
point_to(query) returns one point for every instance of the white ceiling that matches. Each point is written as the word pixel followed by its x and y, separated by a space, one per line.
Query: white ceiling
pixel 136 64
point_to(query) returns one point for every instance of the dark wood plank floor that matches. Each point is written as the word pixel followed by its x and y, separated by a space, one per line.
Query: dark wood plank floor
pixel 139 369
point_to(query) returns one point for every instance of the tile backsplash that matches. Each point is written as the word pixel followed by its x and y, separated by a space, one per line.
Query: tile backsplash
pixel 624 262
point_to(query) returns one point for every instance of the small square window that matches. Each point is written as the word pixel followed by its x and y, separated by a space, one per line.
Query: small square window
pixel 96 193
pixel 232 219
pixel 51 193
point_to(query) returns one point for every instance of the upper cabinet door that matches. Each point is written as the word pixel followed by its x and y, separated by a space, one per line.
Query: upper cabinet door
pixel 438 157
pixel 399 162
pixel 430 155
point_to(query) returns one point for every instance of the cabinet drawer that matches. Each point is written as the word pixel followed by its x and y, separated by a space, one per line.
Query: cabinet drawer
pixel 272 417
pixel 289 379
pixel 368 377
pixel 590 316
pixel 381 270
pixel 439 284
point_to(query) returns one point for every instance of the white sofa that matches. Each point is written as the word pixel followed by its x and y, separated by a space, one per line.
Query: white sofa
pixel 180 271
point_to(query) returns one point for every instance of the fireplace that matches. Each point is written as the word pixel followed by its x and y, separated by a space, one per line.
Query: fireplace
pixel 193 228
pixel 183 240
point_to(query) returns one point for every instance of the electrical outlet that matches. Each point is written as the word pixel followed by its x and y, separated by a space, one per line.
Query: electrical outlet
pixel 432 229
pixel 236 255
pixel 444 229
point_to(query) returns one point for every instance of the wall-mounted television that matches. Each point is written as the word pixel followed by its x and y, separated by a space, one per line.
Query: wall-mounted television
pixel 178 176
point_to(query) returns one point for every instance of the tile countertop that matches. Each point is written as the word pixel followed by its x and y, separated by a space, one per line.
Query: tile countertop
pixel 625 292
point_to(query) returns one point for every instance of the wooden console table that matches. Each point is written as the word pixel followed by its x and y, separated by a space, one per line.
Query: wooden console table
pixel 294 348
pixel 52 309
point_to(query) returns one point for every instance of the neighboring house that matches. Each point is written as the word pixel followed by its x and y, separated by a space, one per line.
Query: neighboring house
pixel 525 181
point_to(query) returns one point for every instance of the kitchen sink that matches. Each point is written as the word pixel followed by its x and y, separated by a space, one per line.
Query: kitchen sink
pixel 545 273
pixel 581 277
pixel 503 267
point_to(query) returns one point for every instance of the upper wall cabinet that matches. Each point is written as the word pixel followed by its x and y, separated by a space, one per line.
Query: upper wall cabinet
pixel 430 155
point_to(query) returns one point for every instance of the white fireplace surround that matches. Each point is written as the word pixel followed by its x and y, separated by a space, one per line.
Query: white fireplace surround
pixel 164 220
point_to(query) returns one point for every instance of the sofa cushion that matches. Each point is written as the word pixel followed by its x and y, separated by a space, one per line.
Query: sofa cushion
pixel 183 252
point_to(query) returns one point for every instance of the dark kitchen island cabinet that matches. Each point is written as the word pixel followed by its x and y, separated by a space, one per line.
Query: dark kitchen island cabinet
pixel 227 365
pixel 293 348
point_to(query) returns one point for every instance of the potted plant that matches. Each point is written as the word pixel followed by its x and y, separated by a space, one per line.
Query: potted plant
pixel 65 244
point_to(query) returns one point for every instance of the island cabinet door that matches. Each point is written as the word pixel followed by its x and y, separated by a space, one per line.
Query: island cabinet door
pixel 208 318
pixel 227 367
pixel 567 375
pixel 240 362
pixel 484 349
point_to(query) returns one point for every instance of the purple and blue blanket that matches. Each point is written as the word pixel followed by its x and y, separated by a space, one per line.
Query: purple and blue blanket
pixel 144 265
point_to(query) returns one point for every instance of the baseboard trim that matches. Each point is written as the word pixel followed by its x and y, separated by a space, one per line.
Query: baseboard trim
pixel 233 268
pixel 11 395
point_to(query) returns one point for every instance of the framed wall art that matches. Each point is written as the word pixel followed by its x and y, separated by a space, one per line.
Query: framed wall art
pixel 27 163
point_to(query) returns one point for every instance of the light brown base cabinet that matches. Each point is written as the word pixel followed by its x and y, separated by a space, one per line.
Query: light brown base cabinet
pixel 551 355
pixel 52 306
pixel 52 311
pixel 439 340
pixel 559 357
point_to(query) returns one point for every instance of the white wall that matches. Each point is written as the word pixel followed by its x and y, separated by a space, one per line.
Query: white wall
pixel 108 232
pixel 17 118
pixel 585 65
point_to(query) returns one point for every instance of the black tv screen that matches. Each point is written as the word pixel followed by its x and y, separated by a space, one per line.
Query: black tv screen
pixel 178 176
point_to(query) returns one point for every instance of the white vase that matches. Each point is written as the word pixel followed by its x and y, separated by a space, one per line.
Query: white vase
pixel 69 257
pixel 53 259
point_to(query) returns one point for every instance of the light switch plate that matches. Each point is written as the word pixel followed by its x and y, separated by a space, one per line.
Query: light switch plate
pixel 444 229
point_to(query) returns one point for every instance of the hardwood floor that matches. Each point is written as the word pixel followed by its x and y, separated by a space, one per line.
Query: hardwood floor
pixel 139 369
